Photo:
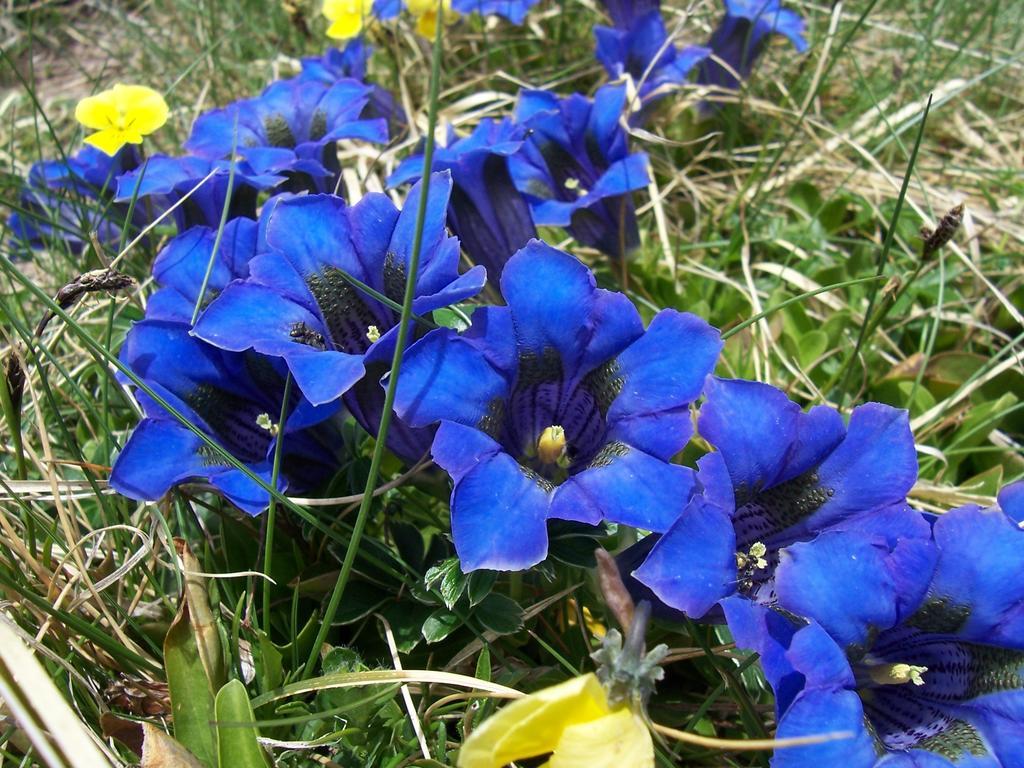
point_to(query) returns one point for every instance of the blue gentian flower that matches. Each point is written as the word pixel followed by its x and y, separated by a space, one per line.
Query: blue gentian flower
pixel 298 303
pixel 486 212
pixel 741 37
pixel 576 168
pixel 624 13
pixel 290 129
pixel 235 398
pixel 645 53
pixel 513 10
pixel 182 264
pixel 166 180
pixel 782 479
pixel 68 200
pixel 558 405
pixel 941 683
pixel 339 63
pixel 350 63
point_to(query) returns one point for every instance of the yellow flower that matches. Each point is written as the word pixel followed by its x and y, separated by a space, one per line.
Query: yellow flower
pixel 571 721
pixel 425 13
pixel 121 115
pixel 347 17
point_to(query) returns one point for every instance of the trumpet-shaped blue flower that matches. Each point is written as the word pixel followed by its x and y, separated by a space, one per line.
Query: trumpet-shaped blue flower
pixel 645 53
pixel 303 302
pixel 68 200
pixel 235 399
pixel 350 63
pixel 783 481
pixel 624 13
pixel 940 684
pixel 290 129
pixel 486 212
pixel 513 10
pixel 576 168
pixel 166 181
pixel 741 37
pixel 558 405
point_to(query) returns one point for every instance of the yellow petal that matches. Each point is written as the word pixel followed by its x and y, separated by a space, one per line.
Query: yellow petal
pixel 345 27
pixel 426 25
pixel 109 141
pixel 97 112
pixel 144 109
pixel 620 740
pixel 534 725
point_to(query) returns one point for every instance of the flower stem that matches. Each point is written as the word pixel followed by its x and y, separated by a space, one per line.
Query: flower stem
pixel 268 546
pixel 396 361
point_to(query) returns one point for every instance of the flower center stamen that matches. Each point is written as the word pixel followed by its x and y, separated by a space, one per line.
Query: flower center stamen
pixel 552 445
pixel 373 334
pixel 896 674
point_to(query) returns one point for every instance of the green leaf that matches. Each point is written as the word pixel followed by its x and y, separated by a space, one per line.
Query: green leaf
pixel 271 670
pixel 480 585
pixel 812 345
pixel 439 625
pixel 499 614
pixel 189 688
pixel 449 578
pixel 237 745
pixel 483 665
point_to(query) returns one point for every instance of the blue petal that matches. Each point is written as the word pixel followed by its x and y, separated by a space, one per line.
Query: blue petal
pixel 445 377
pixel 243 491
pixel 553 318
pixel 875 466
pixel 825 711
pixel 314 232
pixel 458 449
pixel 753 426
pixel 665 369
pixel 814 579
pixel 499 517
pixel 158 455
pixel 981 559
pixel 770 635
pixel 625 486
pixel 1011 501
pixel 694 564
pixel 616 325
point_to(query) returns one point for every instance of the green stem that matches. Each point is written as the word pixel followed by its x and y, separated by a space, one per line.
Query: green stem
pixel 268 546
pixel 883 257
pixel 396 360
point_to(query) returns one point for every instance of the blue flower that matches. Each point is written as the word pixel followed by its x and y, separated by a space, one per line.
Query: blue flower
pixel 513 10
pixel 941 684
pixel 624 13
pixel 181 267
pixel 742 35
pixel 558 405
pixel 645 53
pixel 68 200
pixel 167 180
pixel 350 63
pixel 785 482
pixel 487 213
pixel 234 398
pixel 576 168
pixel 339 63
pixel 291 129
pixel 299 303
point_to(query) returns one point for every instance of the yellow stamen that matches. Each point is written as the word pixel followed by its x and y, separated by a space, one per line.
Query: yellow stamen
pixel 551 446
pixel 373 334
pixel 897 674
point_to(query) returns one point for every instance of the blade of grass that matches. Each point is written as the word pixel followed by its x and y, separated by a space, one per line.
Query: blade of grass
pixel 396 360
